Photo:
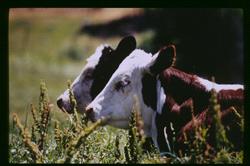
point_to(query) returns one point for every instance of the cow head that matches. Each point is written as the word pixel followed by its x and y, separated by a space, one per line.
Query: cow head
pixel 96 73
pixel 115 101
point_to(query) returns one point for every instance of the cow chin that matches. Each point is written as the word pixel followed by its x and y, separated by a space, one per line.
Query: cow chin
pixel 122 124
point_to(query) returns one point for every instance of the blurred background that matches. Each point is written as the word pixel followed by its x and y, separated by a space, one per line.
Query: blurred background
pixel 52 44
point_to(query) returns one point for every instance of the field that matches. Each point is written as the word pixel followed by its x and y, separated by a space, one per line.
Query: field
pixel 45 46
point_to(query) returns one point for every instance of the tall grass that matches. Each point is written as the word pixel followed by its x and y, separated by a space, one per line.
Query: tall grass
pixel 80 141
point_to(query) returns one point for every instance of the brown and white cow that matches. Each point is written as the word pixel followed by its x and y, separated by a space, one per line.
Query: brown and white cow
pixel 163 93
pixel 96 73
pixel 231 120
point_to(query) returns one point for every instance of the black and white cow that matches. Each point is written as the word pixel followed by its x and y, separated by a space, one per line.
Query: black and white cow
pixel 163 93
pixel 96 73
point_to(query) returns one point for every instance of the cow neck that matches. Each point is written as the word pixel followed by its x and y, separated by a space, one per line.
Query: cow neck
pixel 182 86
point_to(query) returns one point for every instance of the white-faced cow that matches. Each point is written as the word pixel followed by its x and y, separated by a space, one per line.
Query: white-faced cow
pixel 163 93
pixel 96 73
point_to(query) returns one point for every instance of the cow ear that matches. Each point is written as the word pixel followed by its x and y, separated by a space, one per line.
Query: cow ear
pixel 163 60
pixel 126 45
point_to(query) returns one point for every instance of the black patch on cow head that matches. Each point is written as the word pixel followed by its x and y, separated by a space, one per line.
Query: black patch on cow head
pixel 149 92
pixel 109 62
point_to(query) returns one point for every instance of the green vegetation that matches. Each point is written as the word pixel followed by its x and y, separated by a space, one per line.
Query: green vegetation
pixel 80 141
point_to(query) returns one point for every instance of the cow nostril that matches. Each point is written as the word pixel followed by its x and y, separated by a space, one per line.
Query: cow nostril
pixel 59 103
pixel 89 110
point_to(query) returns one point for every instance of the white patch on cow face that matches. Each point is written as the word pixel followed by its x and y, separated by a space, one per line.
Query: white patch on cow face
pixel 218 87
pixel 82 84
pixel 116 99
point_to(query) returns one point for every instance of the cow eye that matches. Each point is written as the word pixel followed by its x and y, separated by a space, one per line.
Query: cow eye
pixel 121 84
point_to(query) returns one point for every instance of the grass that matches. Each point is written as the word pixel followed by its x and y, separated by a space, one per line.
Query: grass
pixel 80 141
pixel 77 141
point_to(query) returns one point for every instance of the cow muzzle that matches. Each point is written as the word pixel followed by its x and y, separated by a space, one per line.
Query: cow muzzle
pixel 64 106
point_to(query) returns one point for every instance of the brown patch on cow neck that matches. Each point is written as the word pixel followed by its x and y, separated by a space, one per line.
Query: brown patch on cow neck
pixel 182 86
pixel 182 90
pixel 228 98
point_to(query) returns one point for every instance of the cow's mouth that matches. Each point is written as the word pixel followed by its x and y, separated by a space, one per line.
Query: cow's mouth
pixel 122 123
pixel 91 116
pixel 68 111
pixel 104 120
pixel 119 123
pixel 111 120
pixel 64 107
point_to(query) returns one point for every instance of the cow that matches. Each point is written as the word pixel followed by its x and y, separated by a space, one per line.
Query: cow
pixel 96 73
pixel 164 94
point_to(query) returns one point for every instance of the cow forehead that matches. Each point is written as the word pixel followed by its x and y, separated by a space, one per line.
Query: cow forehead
pixel 136 60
